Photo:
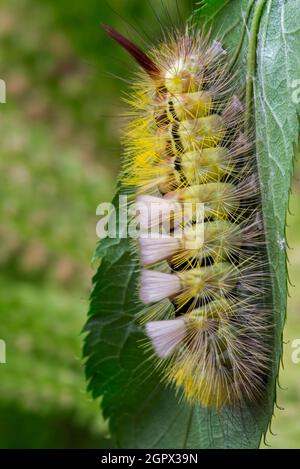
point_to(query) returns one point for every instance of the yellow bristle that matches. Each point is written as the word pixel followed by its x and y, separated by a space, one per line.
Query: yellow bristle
pixel 185 142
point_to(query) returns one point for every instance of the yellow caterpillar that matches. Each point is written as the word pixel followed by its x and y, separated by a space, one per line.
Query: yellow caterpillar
pixel 206 313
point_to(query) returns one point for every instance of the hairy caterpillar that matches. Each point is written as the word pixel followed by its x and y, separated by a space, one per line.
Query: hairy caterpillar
pixel 207 313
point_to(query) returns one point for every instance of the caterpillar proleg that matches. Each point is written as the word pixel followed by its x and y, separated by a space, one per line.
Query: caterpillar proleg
pixel 206 313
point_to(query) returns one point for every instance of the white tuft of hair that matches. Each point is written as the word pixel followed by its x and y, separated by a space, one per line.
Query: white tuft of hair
pixel 217 49
pixel 154 211
pixel 166 335
pixel 154 249
pixel 156 286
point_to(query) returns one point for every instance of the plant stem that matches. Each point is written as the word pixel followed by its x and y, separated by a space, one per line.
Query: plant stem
pixel 238 49
pixel 251 60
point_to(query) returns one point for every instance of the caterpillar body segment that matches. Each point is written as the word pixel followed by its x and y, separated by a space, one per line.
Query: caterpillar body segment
pixel 185 144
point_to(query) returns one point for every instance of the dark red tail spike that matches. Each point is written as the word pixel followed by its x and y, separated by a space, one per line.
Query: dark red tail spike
pixel 142 59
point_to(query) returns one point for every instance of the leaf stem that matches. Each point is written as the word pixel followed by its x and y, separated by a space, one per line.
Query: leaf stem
pixel 238 49
pixel 251 60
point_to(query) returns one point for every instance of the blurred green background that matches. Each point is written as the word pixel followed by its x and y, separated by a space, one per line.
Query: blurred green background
pixel 59 133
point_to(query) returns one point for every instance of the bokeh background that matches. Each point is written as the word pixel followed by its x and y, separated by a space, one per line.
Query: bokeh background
pixel 59 157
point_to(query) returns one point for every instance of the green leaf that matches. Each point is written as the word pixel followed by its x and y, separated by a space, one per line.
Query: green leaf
pixel 273 79
pixel 277 131
pixel 142 412
pixel 210 8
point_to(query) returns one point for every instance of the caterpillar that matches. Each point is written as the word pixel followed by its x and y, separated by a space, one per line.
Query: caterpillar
pixel 207 313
